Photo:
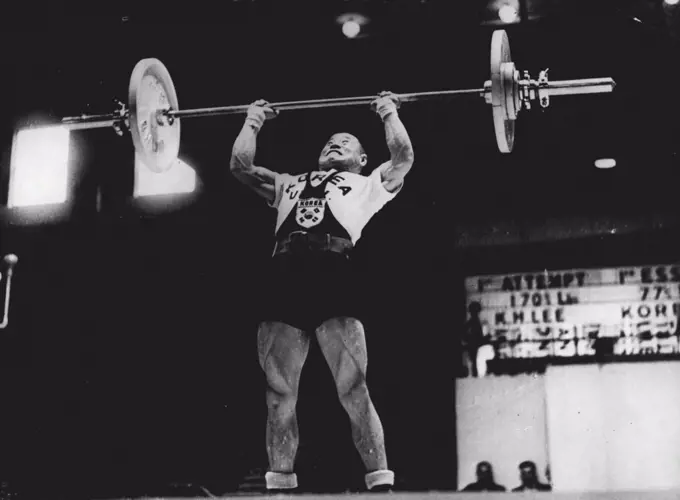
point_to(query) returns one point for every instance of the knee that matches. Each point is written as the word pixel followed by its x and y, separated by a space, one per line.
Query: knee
pixel 356 395
pixel 281 390
pixel 281 402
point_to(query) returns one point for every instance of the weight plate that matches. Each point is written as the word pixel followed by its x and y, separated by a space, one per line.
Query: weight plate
pixel 502 86
pixel 151 91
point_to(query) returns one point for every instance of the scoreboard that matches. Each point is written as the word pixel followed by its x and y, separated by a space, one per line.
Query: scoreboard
pixel 563 313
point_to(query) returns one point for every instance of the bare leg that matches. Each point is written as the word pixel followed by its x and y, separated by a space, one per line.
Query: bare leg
pixel 282 351
pixel 343 343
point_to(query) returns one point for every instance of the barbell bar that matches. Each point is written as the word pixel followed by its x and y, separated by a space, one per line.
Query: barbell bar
pixel 153 113
pixel 108 120
pixel 557 88
pixel 319 103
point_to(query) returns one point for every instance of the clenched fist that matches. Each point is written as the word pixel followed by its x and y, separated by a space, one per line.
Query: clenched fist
pixel 386 104
pixel 258 112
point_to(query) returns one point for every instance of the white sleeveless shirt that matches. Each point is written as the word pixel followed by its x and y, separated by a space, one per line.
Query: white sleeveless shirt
pixel 352 198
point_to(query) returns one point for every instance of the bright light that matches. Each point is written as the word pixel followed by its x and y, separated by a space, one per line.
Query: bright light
pixel 180 178
pixel 351 29
pixel 39 167
pixel 605 163
pixel 352 23
pixel 508 14
pixel 671 2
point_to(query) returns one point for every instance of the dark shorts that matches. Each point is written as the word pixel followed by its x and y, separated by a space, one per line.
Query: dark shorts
pixel 303 291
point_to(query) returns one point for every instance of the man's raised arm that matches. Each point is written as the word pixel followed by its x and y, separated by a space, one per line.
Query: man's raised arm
pixel 260 179
pixel 398 141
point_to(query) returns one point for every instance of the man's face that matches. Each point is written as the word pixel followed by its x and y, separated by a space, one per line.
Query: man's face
pixel 343 152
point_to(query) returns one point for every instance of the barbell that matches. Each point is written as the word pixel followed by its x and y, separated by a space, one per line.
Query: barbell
pixel 153 115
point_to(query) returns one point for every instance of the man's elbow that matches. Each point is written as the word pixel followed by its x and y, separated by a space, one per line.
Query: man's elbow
pixel 237 164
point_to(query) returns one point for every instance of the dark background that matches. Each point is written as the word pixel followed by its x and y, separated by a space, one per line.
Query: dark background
pixel 130 360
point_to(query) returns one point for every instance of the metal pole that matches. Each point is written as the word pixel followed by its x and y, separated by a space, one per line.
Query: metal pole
pixel 10 260
pixel 564 87
pixel 573 87
pixel 319 103
pixel 91 121
pixel 8 289
pixel 436 94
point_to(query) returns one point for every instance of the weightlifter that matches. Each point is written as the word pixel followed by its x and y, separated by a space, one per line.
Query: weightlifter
pixel 312 288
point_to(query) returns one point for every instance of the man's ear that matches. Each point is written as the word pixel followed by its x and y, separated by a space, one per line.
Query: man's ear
pixel 363 160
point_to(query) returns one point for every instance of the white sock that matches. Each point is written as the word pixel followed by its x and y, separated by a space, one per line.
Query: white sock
pixel 281 480
pixel 379 478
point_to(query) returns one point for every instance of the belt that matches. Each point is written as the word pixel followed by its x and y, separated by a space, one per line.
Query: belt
pixel 300 242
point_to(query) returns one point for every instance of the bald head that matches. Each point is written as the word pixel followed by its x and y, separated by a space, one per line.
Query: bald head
pixel 343 151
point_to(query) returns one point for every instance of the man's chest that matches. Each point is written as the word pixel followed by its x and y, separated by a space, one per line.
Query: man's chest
pixel 329 186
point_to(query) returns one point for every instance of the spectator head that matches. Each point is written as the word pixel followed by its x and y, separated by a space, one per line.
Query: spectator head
pixel 484 472
pixel 527 472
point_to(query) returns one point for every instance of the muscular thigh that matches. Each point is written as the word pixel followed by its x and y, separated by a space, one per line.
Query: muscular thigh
pixel 282 351
pixel 343 343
